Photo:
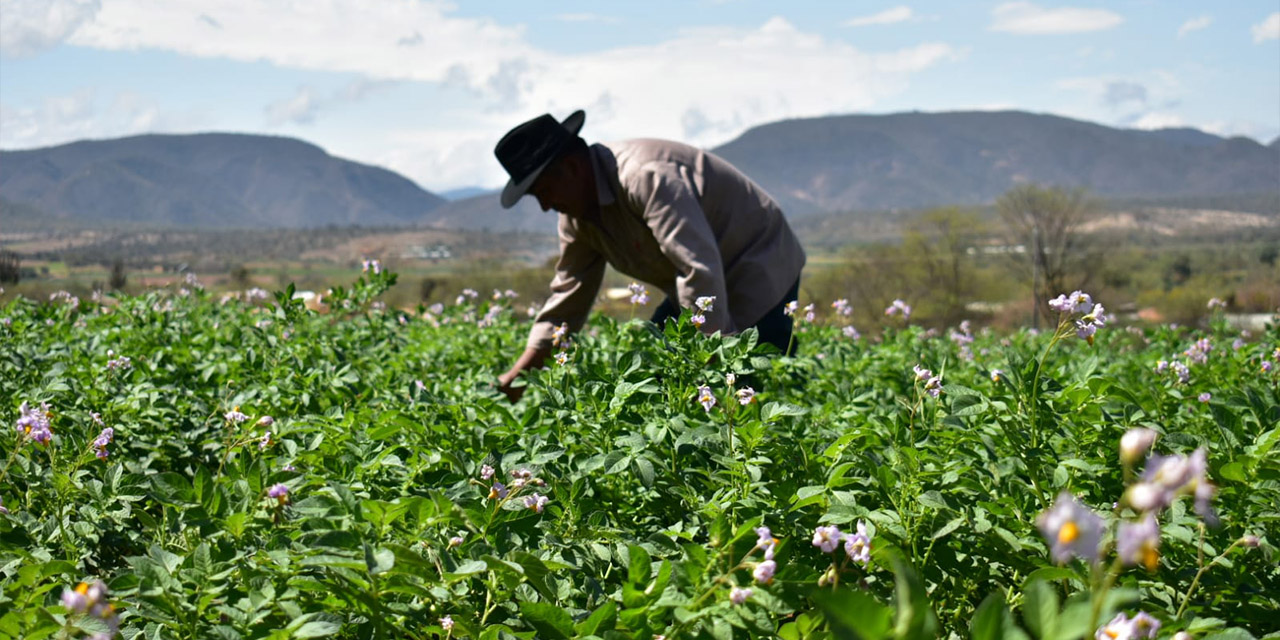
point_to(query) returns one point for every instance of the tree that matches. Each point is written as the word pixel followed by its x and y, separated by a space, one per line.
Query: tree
pixel 10 267
pixel 1048 222
pixel 118 277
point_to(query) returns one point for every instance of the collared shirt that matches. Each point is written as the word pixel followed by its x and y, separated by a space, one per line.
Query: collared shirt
pixel 683 220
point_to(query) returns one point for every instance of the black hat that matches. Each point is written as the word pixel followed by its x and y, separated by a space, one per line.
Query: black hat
pixel 527 149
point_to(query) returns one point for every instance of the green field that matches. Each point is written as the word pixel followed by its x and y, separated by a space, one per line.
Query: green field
pixel 277 473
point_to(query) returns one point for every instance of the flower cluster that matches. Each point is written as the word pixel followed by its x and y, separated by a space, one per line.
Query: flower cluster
pixel 35 423
pixel 1123 628
pixel 100 443
pixel 467 294
pixel 118 362
pixel 91 599
pixel 896 307
pixel 857 546
pixel 560 336
pixel 791 307
pixel 509 294
pixel 371 265
pixel 639 294
pixel 842 307
pixel 963 337
pixel 1198 353
pixel 850 332
pixel 234 416
pixel 1216 303
pixel 1092 315
pixel 932 383
pixel 704 306
pixel 764 570
pixel 1166 478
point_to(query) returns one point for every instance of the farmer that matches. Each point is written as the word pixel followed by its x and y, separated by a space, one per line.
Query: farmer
pixel 676 217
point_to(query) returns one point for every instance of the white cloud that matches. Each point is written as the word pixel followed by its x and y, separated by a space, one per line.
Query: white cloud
pixel 888 16
pixel 28 27
pixel 83 114
pixel 1159 120
pixel 300 109
pixel 1030 19
pixel 1268 29
pixel 703 86
pixel 307 102
pixel 1194 24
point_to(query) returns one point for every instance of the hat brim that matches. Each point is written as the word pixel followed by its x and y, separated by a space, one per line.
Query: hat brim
pixel 513 191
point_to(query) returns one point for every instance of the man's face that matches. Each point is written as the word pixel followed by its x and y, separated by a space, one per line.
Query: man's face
pixel 565 186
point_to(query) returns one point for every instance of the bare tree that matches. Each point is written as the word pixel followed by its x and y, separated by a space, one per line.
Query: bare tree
pixel 1048 222
pixel 10 267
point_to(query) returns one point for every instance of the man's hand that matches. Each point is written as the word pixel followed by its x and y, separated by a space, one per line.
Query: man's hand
pixel 530 359
pixel 504 385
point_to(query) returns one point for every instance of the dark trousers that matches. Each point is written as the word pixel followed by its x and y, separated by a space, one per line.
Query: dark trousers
pixel 775 327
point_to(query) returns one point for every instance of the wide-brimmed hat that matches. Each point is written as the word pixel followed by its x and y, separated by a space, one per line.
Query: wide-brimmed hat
pixel 527 149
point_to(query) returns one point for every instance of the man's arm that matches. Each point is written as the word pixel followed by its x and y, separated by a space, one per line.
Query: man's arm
pixel 532 358
pixel 579 273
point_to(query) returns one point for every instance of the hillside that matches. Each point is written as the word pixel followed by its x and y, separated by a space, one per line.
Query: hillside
pixel 208 180
pixel 912 160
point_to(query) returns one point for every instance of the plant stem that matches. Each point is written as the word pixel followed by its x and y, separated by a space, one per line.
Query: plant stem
pixel 1203 567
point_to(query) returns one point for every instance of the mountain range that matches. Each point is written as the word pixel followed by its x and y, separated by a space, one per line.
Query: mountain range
pixel 811 166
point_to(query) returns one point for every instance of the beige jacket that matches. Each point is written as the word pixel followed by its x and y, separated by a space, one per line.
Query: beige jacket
pixel 686 222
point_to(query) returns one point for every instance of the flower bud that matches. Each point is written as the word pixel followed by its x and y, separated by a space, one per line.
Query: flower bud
pixel 1135 443
pixel 1182 635
pixel 1250 541
pixel 1144 496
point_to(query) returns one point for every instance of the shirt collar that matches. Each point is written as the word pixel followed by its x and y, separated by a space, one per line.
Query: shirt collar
pixel 603 165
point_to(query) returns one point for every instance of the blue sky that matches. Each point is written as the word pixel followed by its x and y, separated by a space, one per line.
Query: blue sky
pixel 426 88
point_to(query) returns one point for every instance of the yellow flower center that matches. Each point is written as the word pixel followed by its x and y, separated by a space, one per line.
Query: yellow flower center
pixel 1068 533
pixel 1150 558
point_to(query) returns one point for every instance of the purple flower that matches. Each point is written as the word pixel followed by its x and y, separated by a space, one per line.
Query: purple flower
pixel 266 421
pixel 697 320
pixel 934 386
pixel 898 306
pixel 858 545
pixel 738 595
pixel 746 396
pixel 455 541
pixel 35 423
pixel 100 443
pixel 562 358
pixel 486 472
pixel 536 502
pixel 1184 374
pixel 1061 304
pixel 498 491
pixel 790 308
pixel 851 333
pixel 1071 530
pixel 234 416
pixel 921 372
pixel 639 295
pixel 705 303
pixel 763 573
pixel 842 307
pixel 764 536
pixel 808 313
pixel 279 492
pixel 996 374
pixel 1205 397
pixel 705 398
pixel 1138 542
pixel 1216 303
pixel 446 623
pixel 1135 443
pixel 827 538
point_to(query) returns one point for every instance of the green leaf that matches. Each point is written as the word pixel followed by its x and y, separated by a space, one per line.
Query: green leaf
pixel 602 619
pixel 779 409
pixel 549 620
pixel 1040 608
pixel 640 565
pixel 988 620
pixel 317 629
pixel 1233 471
pixel 854 615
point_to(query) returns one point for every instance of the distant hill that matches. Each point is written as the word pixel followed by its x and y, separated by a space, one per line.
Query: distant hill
pixel 462 193
pixel 856 163
pixel 207 180
pixel 911 160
